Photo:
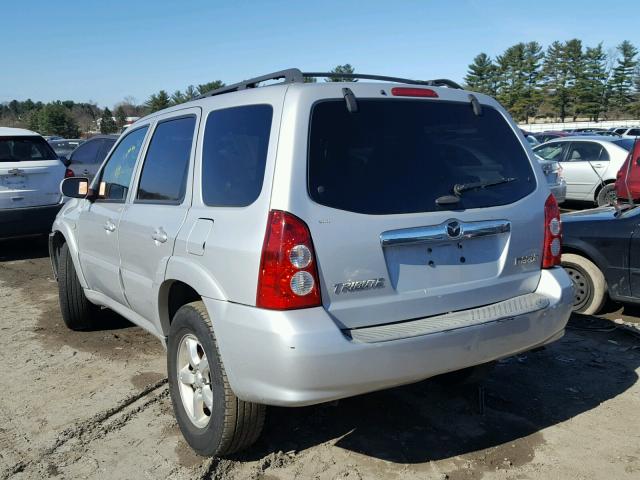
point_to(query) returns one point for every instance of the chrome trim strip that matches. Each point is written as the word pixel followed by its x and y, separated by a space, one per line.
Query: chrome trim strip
pixel 438 233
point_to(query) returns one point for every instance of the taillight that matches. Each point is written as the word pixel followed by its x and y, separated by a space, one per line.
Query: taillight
pixel 413 92
pixel 69 173
pixel 552 248
pixel 288 276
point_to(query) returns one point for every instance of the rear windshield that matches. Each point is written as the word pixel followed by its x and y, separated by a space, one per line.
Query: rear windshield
pixel 23 149
pixel 399 156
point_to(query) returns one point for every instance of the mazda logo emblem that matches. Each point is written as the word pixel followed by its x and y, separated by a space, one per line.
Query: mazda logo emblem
pixel 454 230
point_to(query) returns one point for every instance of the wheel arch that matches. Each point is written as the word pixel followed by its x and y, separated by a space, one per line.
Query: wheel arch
pixel 58 237
pixel 600 186
pixel 185 282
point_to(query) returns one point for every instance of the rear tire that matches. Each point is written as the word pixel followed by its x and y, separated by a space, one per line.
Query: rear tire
pixel 607 195
pixel 213 421
pixel 590 286
pixel 78 313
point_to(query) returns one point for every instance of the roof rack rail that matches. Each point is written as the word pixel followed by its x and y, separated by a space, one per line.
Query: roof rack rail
pixel 290 75
pixel 294 75
pixel 440 82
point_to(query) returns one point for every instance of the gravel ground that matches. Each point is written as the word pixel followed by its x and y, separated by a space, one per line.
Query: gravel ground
pixel 95 405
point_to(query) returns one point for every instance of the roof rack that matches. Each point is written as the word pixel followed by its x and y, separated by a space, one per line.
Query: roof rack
pixel 294 75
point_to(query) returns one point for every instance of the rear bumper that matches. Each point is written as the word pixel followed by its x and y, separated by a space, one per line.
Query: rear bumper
pixel 300 357
pixel 19 222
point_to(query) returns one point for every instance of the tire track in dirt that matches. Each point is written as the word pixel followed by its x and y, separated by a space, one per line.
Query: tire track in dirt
pixel 96 426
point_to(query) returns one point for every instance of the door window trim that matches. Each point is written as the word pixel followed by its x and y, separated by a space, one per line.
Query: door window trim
pixel 143 160
pixel 98 177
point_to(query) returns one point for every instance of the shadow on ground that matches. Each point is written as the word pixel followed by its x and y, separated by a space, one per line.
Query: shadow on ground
pixel 24 248
pixel 428 421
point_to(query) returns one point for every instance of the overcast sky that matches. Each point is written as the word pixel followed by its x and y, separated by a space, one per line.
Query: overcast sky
pixel 105 51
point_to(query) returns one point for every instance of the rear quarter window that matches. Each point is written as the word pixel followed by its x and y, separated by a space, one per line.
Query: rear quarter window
pixel 399 156
pixel 234 154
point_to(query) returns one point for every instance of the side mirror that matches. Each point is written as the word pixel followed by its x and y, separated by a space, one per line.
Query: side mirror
pixel 65 160
pixel 75 187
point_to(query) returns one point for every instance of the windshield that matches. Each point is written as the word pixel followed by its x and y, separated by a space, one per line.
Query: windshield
pixel 399 156
pixel 26 148
pixel 626 143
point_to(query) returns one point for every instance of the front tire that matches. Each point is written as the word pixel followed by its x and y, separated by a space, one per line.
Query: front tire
pixel 213 421
pixel 607 195
pixel 78 313
pixel 590 286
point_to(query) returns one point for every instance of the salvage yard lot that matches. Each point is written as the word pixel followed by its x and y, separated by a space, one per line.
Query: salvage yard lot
pixel 95 405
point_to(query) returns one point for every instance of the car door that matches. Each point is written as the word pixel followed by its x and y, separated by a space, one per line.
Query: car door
pixel 583 167
pixel 99 219
pixel 152 220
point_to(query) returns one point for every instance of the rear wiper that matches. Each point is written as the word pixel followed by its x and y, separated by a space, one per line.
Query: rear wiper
pixel 459 188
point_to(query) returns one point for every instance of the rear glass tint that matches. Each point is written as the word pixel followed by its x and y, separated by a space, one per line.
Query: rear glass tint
pixel 234 155
pixel 24 149
pixel 399 156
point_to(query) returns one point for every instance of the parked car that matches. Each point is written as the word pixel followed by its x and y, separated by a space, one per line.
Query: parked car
pixel 590 165
pixel 601 254
pixel 63 148
pixel 633 132
pixel 85 160
pixel 550 135
pixel 292 246
pixel 30 176
pixel 628 178
pixel 555 179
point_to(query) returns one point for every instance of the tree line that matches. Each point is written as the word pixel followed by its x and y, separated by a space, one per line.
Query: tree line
pixel 565 81
pixel 70 119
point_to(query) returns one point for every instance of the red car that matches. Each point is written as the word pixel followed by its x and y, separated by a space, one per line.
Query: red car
pixel 628 178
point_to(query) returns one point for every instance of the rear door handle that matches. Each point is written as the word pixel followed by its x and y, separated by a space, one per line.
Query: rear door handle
pixel 159 235
pixel 109 226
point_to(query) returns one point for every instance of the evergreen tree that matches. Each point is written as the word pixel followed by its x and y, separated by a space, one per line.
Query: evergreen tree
pixel 121 117
pixel 556 75
pixel 178 97
pixel 482 75
pixel 158 101
pixel 593 82
pixel 532 69
pixel 207 87
pixel 55 119
pixel 621 83
pixel 511 80
pixel 573 58
pixel 342 69
pixel 107 123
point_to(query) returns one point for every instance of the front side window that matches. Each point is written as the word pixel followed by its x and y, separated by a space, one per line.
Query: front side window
pixel 118 171
pixel 234 155
pixel 24 149
pixel 164 173
pixel 400 156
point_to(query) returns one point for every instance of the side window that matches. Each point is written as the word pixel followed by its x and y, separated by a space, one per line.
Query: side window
pixel 604 155
pixel 164 173
pixel 553 151
pixel 234 155
pixel 86 153
pixel 584 151
pixel 634 131
pixel 116 174
pixel 107 143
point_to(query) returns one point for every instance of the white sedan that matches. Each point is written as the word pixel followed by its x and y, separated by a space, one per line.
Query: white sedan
pixel 589 164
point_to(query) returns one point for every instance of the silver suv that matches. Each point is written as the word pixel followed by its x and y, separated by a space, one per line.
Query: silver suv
pixel 302 242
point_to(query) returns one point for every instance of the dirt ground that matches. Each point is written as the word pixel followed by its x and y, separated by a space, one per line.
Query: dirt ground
pixel 95 405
